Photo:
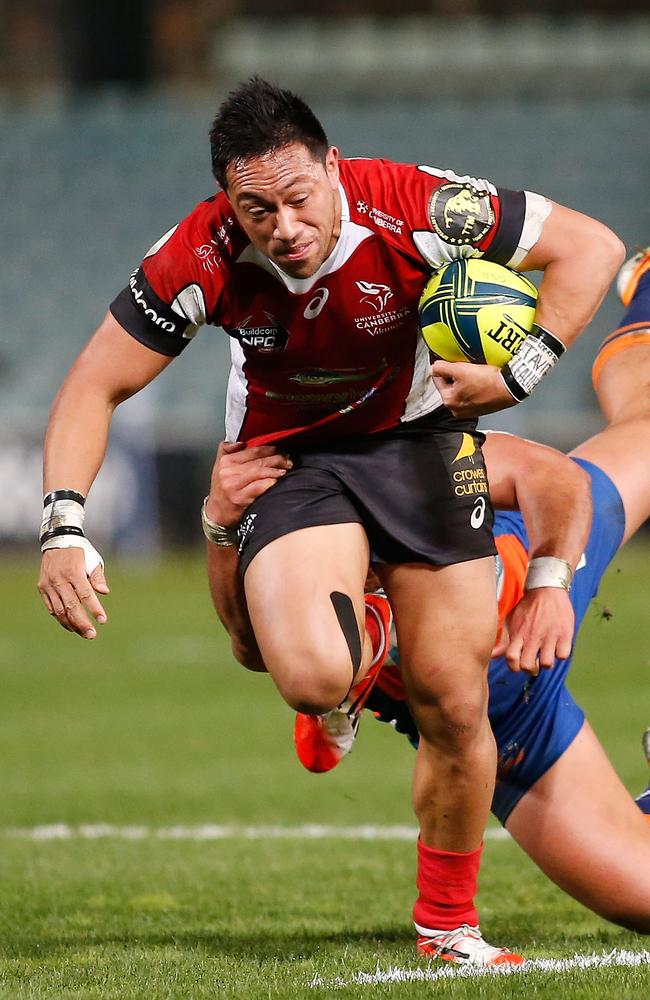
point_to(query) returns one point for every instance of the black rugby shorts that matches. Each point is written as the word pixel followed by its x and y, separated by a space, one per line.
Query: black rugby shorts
pixel 420 491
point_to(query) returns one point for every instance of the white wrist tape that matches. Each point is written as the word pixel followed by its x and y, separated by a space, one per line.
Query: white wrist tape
pixel 92 557
pixel 62 526
pixel 216 533
pixel 62 514
pixel 547 571
pixel 538 353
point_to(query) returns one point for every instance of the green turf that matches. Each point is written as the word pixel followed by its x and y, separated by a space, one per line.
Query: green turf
pixel 154 725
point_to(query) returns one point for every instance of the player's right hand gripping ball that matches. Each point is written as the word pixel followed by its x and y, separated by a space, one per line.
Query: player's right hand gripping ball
pixel 476 310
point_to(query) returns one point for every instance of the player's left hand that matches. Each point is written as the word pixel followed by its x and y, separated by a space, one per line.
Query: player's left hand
pixel 538 631
pixel 471 390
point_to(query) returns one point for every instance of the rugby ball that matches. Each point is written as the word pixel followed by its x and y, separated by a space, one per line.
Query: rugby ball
pixel 476 310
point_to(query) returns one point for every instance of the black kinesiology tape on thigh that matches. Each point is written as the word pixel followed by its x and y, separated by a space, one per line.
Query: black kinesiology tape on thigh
pixel 344 609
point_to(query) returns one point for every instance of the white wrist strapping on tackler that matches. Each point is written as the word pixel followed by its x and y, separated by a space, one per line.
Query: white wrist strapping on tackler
pixel 548 571
pixel 225 538
pixel 539 352
pixel 62 526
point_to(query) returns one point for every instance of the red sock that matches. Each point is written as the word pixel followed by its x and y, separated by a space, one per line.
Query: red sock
pixel 447 883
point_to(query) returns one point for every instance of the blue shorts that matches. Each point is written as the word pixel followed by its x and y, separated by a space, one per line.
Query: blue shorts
pixel 535 719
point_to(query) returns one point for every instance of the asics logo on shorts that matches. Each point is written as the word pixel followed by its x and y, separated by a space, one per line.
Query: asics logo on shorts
pixel 478 514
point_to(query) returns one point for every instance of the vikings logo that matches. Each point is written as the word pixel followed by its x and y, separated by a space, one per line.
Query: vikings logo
pixel 461 214
pixel 465 203
pixel 375 294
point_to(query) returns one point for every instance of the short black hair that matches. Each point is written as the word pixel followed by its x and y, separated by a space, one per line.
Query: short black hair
pixel 257 118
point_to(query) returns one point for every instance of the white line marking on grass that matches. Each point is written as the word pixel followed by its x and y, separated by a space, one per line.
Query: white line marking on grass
pixel 606 960
pixel 213 831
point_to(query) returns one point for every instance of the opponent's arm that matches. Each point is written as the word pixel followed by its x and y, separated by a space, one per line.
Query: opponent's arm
pixel 239 475
pixel 112 367
pixel 579 257
pixel 551 492
pixel 554 498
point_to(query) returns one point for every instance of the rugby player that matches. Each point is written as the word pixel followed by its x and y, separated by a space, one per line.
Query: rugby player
pixel 314 266
pixel 556 791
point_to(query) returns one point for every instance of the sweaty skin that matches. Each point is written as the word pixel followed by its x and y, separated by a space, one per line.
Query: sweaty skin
pixel 289 206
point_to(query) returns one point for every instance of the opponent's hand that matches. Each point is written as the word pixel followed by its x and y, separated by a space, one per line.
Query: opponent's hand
pixel 538 631
pixel 69 594
pixel 471 390
pixel 239 476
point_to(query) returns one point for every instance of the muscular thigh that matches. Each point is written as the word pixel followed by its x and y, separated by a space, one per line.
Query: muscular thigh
pixel 621 452
pixel 580 825
pixel 304 593
pixel 446 619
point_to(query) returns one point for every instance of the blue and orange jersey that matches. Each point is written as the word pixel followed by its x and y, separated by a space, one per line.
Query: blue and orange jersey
pixel 512 566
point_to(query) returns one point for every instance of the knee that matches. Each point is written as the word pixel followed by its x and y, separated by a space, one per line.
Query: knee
pixel 315 693
pixel 457 723
pixel 312 679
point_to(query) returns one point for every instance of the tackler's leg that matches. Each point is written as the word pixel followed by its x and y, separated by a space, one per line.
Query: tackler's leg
pixel 580 825
pixel 621 376
pixel 578 822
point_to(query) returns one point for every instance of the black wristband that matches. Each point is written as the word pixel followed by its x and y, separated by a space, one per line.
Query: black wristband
pixel 548 338
pixel 512 385
pixel 63 495
pixel 63 530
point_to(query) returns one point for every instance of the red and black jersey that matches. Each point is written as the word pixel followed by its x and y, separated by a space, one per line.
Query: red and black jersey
pixel 338 353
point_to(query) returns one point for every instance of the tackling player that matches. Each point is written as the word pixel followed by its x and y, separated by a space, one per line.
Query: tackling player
pixel 314 266
pixel 556 791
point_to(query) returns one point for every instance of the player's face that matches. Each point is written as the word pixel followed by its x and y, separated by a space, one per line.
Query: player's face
pixel 289 206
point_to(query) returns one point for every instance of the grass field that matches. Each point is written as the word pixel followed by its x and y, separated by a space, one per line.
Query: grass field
pixel 153 730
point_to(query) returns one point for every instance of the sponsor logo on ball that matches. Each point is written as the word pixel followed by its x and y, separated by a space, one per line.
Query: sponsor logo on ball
pixel 509 334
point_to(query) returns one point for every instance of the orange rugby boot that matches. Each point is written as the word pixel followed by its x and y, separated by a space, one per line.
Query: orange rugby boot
pixel 464 946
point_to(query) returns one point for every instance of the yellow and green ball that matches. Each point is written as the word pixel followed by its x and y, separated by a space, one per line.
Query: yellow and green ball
pixel 476 310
